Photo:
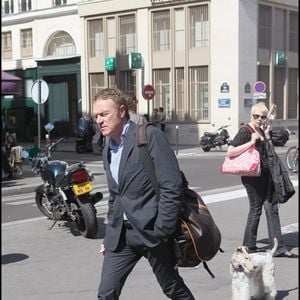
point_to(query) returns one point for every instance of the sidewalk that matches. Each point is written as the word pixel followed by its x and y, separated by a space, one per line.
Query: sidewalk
pixel 31 181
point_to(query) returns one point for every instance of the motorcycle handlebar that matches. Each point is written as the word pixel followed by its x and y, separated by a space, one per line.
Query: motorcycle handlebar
pixel 54 144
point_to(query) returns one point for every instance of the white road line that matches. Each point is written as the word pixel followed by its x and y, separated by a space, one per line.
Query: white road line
pixel 23 221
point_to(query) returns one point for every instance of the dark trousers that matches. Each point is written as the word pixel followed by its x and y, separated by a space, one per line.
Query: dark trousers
pixel 5 164
pixel 260 192
pixel 118 264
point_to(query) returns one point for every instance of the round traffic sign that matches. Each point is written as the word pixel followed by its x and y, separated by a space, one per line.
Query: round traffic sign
pixel 148 92
pixel 44 91
pixel 259 86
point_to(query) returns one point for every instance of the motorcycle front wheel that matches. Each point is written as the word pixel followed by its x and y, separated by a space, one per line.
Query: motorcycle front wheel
pixel 87 221
pixel 43 205
pixel 206 148
pixel 79 148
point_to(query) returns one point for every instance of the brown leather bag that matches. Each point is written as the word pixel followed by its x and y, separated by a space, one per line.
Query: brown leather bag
pixel 197 238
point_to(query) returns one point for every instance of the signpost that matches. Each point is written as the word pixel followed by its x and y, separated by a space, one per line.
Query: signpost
pixel 39 94
pixel 148 94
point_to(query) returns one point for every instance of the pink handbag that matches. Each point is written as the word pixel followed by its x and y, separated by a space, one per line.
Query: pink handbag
pixel 245 164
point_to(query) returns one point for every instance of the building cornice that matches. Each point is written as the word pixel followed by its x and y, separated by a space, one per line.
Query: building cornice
pixel 30 16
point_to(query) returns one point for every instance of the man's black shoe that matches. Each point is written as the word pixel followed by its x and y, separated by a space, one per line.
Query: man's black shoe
pixel 286 254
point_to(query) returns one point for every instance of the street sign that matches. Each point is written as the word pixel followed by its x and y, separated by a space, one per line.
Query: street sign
pixel 224 102
pixel 44 92
pixel 259 95
pixel 110 64
pixel 148 92
pixel 135 60
pixel 259 87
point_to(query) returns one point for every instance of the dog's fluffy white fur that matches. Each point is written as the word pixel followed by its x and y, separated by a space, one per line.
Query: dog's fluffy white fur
pixel 253 274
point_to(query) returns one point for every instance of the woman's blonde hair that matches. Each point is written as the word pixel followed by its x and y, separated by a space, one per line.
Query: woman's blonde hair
pixel 259 107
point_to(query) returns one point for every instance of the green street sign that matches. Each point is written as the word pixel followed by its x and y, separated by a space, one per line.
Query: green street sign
pixel 279 58
pixel 135 60
pixel 110 63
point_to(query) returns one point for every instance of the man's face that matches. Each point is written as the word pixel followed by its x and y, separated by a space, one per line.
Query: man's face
pixel 109 118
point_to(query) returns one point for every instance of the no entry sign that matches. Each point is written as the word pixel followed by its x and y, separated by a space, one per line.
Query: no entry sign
pixel 148 92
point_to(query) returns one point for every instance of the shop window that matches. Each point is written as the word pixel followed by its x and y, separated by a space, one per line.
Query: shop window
pixel 199 93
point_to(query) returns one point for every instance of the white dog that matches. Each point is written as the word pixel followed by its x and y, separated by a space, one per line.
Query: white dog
pixel 253 274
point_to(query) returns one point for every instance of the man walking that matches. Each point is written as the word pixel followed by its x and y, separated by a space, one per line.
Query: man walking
pixel 139 223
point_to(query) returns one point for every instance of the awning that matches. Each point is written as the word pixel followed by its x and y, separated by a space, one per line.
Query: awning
pixel 10 84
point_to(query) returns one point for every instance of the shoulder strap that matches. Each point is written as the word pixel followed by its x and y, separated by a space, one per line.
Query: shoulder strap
pixel 249 128
pixel 145 155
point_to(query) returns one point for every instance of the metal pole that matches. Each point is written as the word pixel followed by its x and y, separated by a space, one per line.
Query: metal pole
pixel 177 138
pixel 39 112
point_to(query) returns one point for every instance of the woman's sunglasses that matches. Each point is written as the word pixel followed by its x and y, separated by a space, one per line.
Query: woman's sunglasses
pixel 259 116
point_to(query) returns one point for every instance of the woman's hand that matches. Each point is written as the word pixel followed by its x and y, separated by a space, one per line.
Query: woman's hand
pixel 254 136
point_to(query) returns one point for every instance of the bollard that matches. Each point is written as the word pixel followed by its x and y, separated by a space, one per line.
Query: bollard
pixel 177 139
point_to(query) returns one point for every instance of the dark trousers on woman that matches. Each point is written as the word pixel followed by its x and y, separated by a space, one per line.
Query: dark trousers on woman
pixel 118 264
pixel 260 192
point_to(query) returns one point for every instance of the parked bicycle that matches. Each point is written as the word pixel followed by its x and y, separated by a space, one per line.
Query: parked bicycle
pixel 292 158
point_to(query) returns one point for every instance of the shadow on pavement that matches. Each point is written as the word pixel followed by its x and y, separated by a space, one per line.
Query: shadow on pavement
pixel 12 258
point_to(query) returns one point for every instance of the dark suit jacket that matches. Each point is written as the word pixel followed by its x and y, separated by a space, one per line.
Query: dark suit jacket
pixel 152 219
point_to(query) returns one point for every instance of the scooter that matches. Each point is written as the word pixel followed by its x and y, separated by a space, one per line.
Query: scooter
pixel 65 194
pixel 84 133
pixel 215 139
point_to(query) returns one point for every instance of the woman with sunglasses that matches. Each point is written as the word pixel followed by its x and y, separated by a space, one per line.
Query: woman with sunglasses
pixel 260 189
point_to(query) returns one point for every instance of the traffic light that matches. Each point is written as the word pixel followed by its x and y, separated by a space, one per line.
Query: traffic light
pixel 135 60
pixel 110 64
pixel 279 58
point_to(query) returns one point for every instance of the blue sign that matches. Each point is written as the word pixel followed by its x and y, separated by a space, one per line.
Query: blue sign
pixel 224 102
pixel 259 86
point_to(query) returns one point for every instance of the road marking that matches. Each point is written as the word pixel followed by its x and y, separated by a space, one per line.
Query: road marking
pixel 213 198
pixel 23 221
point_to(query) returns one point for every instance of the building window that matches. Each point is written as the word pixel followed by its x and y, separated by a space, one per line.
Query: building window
pixel 111 37
pixel 59 2
pixel 127 81
pixel 279 80
pixel 96 83
pixel 26 42
pixel 24 5
pixel 293 94
pixel 294 33
pixel 280 29
pixel 127 34
pixel 60 44
pixel 179 95
pixel 96 39
pixel 179 30
pixel 199 26
pixel 8 7
pixel 264 26
pixel 161 31
pixel 162 94
pixel 6 45
pixel 199 93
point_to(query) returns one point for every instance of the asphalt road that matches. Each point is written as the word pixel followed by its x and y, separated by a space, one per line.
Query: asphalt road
pixel 38 263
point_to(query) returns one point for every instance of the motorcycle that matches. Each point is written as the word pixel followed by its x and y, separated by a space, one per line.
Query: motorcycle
pixel 215 139
pixel 65 194
pixel 84 133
